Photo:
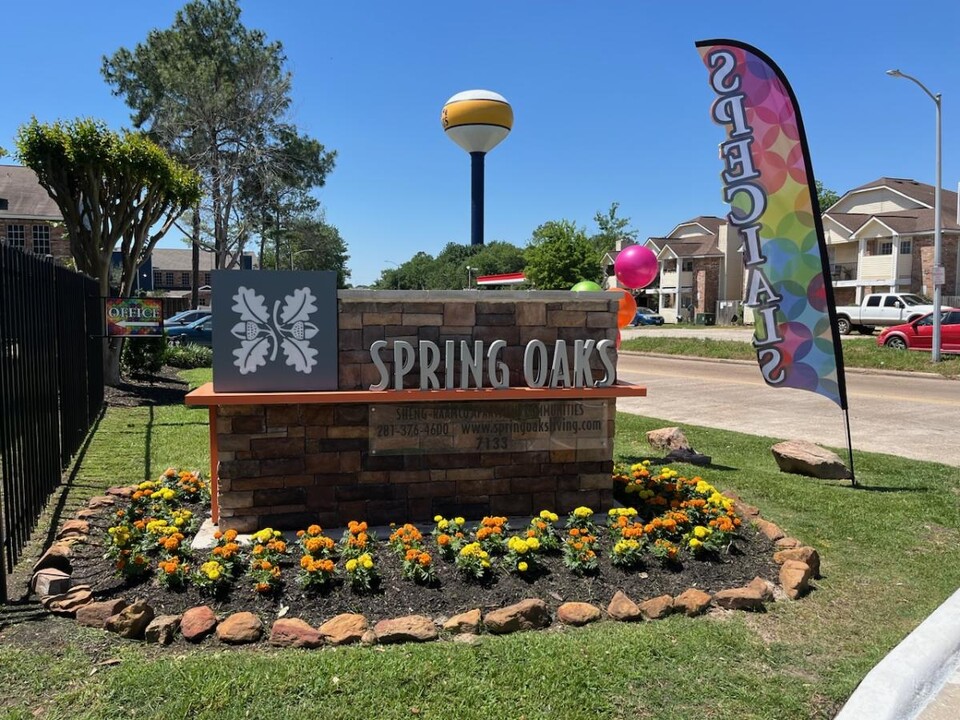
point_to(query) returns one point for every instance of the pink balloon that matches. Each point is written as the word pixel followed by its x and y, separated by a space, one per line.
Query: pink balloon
pixel 636 266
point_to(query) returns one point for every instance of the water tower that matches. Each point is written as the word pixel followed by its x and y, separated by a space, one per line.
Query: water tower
pixel 477 120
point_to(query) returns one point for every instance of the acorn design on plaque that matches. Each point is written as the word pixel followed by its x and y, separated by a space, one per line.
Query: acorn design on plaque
pixel 263 333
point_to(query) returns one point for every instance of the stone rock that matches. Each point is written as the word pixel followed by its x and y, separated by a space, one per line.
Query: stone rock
pixel 622 607
pixel 197 623
pixel 56 557
pixel 162 629
pixel 746 511
pixel 802 457
pixel 86 514
pixel 344 629
pixel 67 604
pixel 95 614
pixel 691 457
pixel 73 528
pixel 668 438
pixel 657 608
pixel 529 614
pixel 132 621
pixel 691 602
pixel 795 578
pixel 409 628
pixel 99 502
pixel 240 628
pixel 742 598
pixel 369 639
pixel 804 554
pixel 764 587
pixel 786 543
pixel 295 633
pixel 468 622
pixel 50 582
pixel 467 639
pixel 766 527
pixel 125 491
pixel 577 613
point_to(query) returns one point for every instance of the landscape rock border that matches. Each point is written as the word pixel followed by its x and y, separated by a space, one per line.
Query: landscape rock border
pixel 136 620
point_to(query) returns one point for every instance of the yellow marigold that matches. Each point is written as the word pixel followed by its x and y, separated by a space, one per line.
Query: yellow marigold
pixel 351 565
pixel 582 512
pixel 366 561
pixel 522 566
pixel 459 520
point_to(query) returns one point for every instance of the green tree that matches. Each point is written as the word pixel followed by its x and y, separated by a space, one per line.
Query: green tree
pixel 825 196
pixel 309 242
pixel 560 255
pixel 611 228
pixel 114 190
pixel 217 94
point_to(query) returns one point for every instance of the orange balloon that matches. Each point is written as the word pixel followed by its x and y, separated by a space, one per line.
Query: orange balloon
pixel 619 339
pixel 628 307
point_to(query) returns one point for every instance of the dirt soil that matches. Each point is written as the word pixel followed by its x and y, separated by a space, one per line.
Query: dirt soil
pixel 25 622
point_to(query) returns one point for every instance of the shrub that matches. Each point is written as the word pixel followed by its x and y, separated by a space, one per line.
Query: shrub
pixel 188 357
pixel 143 356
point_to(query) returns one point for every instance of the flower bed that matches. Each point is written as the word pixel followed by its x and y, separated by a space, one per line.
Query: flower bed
pixel 673 534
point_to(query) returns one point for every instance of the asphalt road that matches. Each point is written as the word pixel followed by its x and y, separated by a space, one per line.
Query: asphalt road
pixel 908 416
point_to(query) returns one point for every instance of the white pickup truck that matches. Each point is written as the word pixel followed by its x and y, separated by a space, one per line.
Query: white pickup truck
pixel 881 309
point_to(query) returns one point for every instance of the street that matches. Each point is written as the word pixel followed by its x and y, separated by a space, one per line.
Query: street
pixel 912 417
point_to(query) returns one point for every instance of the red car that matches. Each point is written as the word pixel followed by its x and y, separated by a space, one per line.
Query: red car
pixel 918 335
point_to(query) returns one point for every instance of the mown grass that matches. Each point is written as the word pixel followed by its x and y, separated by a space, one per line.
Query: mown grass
pixel 889 558
pixel 857 353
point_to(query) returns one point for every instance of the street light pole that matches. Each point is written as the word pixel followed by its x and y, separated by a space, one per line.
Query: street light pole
pixel 470 276
pixel 298 252
pixel 937 229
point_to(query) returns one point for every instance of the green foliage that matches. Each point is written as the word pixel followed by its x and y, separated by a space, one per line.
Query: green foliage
pixel 448 271
pixel 310 243
pixel 825 196
pixel 188 357
pixel 560 255
pixel 143 356
pixel 611 228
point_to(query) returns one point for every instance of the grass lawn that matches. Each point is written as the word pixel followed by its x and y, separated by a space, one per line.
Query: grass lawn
pixel 889 558
pixel 857 353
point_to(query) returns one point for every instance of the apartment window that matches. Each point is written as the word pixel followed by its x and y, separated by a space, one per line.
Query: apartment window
pixel 168 279
pixel 4 204
pixel 157 278
pixel 688 266
pixel 906 247
pixel 885 247
pixel 15 236
pixel 185 279
pixel 41 240
pixel 206 278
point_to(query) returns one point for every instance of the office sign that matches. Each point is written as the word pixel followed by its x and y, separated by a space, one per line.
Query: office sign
pixel 134 317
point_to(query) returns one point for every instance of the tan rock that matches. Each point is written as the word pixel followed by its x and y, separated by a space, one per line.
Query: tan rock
pixel 67 604
pixel 766 527
pixel 73 528
pixel 668 438
pixel 344 629
pixel 803 457
pixel 197 623
pixel 409 628
pixel 241 628
pixel 657 608
pixel 623 608
pixel 530 614
pixel 369 639
pixel 746 511
pixel 468 622
pixel 795 578
pixel 742 598
pixel 162 629
pixel 86 514
pixel 786 543
pixel 764 587
pixel 50 581
pixel 296 633
pixel 691 602
pixel 577 613
pixel 95 614
pixel 56 557
pixel 125 491
pixel 804 554
pixel 132 621
pixel 99 502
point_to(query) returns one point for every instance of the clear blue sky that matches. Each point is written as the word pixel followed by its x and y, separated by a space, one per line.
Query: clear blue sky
pixel 610 101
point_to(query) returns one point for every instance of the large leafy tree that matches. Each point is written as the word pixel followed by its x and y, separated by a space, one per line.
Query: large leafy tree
pixel 448 270
pixel 217 94
pixel 560 255
pixel 611 228
pixel 114 190
pixel 825 196
pixel 310 243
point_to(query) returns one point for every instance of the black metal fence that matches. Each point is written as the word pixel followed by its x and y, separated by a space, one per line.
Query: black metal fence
pixel 51 386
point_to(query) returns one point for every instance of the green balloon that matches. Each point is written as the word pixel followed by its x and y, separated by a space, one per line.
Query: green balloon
pixel 586 286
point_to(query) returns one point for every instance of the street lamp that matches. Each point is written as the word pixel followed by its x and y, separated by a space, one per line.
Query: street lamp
pixel 937 269
pixel 470 271
pixel 298 252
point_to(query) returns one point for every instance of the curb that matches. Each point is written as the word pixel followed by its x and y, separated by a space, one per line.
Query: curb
pixel 858 371
pixel 912 674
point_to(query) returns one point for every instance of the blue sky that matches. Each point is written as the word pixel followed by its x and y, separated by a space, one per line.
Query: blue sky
pixel 610 101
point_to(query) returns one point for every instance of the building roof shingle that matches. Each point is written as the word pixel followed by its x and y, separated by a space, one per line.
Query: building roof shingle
pixel 25 197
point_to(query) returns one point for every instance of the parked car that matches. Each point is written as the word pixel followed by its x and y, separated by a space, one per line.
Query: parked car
pixel 881 309
pixel 918 335
pixel 185 317
pixel 646 316
pixel 199 332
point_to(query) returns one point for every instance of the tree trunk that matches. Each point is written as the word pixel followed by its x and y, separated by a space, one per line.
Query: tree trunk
pixel 195 259
pixel 111 348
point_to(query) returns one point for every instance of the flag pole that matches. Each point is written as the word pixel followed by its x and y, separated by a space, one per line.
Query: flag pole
pixel 846 422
